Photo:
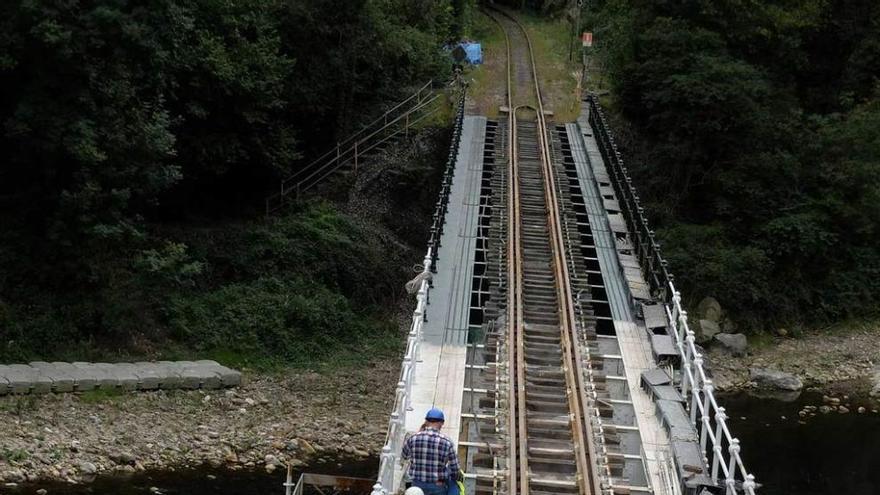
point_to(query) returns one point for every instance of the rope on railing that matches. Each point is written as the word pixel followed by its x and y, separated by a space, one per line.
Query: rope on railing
pixel 720 449
pixel 394 438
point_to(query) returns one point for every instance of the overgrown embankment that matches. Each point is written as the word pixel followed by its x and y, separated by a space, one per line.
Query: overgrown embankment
pixel 138 145
pixel 323 280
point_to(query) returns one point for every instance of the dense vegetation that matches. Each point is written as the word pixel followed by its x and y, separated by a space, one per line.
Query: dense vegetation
pixel 130 126
pixel 754 133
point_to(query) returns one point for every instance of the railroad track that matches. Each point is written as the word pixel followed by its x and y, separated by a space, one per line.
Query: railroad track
pixel 549 446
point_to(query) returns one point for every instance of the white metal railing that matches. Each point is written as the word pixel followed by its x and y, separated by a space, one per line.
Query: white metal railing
pixel 403 395
pixel 720 448
pixel 391 450
pixel 723 452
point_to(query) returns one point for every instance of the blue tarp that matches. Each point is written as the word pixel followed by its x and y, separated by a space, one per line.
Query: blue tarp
pixel 473 52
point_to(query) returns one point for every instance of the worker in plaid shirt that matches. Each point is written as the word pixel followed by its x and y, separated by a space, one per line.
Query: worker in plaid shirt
pixel 432 455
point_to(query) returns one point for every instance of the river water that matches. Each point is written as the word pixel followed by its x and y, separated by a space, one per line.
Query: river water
pixel 829 454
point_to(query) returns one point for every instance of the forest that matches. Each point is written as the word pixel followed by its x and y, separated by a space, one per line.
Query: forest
pixel 753 133
pixel 139 140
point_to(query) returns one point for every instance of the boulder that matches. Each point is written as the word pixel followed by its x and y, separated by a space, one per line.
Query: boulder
pixel 87 468
pixel 875 391
pixel 704 330
pixel 728 326
pixel 709 309
pixel 735 343
pixel 771 378
pixel 123 458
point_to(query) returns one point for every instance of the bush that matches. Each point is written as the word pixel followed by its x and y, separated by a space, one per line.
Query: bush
pixel 290 321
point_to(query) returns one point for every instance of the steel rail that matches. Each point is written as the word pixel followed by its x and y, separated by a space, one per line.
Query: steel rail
pixel 572 364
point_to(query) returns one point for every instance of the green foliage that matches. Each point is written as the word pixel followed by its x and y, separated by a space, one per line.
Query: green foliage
pixel 13 455
pixel 171 265
pixel 756 131
pixel 307 287
pixel 293 321
pixel 101 395
pixel 122 121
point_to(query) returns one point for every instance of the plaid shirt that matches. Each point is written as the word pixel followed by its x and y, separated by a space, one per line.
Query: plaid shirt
pixel 430 451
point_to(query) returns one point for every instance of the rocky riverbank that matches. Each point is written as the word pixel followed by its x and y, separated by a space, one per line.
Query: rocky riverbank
pixel 836 361
pixel 271 420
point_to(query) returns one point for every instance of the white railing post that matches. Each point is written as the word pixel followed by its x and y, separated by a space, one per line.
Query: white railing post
pixel 717 452
pixel 749 484
pixel 733 449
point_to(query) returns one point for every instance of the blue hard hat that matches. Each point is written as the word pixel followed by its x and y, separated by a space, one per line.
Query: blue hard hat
pixel 435 415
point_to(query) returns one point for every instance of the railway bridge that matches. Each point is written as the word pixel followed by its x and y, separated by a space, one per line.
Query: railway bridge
pixel 547 325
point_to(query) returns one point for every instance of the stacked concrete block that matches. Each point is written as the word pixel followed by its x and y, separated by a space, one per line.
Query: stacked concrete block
pixel 43 377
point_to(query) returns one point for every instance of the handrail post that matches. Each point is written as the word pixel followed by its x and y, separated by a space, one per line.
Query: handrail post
pixel 733 450
pixel 720 417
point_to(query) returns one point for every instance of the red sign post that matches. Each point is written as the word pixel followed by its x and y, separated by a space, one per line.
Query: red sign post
pixel 587 40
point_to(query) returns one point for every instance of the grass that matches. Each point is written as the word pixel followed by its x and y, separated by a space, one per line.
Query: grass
pixel 13 455
pixel 385 344
pixel 559 76
pixel 19 405
pixel 101 395
pixel 486 91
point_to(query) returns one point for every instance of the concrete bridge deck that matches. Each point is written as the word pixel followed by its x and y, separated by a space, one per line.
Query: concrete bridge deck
pixel 440 373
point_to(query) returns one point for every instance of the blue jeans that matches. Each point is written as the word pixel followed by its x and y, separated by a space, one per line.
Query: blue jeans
pixel 431 488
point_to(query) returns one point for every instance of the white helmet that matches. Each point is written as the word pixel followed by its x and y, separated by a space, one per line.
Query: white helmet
pixel 413 490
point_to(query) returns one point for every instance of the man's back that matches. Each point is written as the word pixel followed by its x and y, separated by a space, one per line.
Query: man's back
pixel 430 451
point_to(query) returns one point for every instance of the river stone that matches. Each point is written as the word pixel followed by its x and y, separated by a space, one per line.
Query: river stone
pixel 875 391
pixel 87 468
pixel 704 330
pixel 728 326
pixel 307 447
pixel 709 309
pixel 735 343
pixel 771 378
pixel 123 458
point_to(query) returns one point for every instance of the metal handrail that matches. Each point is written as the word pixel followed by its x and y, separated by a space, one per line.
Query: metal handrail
pixel 698 387
pixel 382 118
pixel 708 417
pixel 399 119
pixel 396 434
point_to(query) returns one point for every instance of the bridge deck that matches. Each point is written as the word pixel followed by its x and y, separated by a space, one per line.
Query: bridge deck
pixel 441 371
pixel 623 284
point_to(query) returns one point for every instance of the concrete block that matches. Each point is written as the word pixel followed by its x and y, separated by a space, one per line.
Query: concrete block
pixel 190 378
pixel 100 376
pixel 169 373
pixel 123 373
pixel 210 378
pixel 57 372
pixel 4 383
pixel 42 377
pixel 83 379
pixel 26 379
pixel 229 377
pixel 148 377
